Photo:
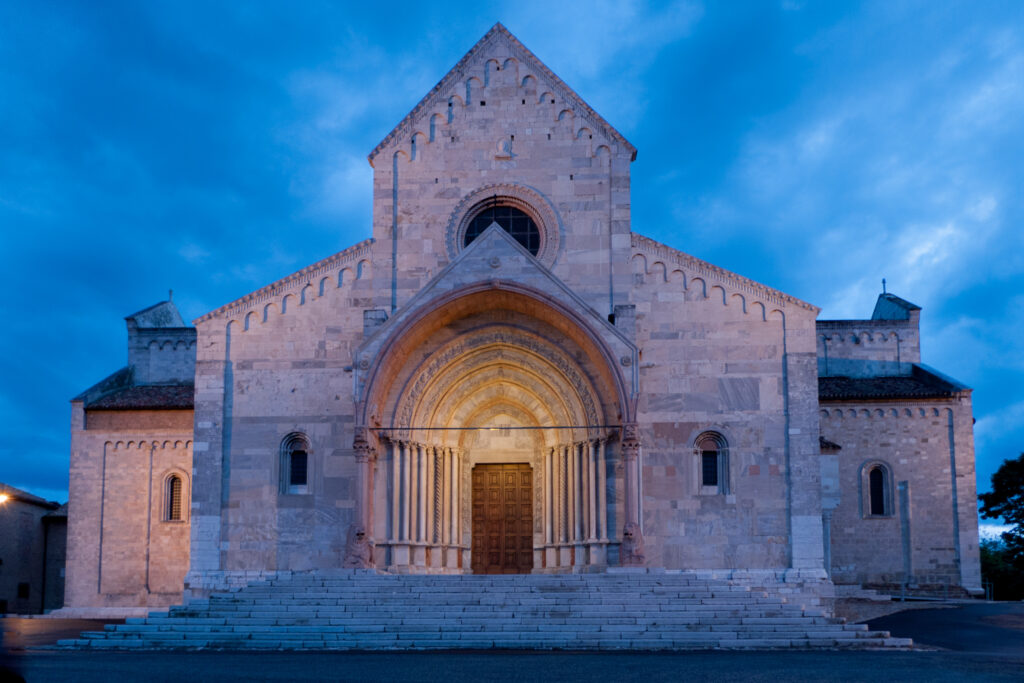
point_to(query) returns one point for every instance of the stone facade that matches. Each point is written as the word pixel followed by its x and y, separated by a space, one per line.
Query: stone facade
pixel 887 411
pixel 130 434
pixel 31 552
pixel 668 410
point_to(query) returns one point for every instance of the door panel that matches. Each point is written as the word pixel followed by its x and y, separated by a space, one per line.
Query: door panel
pixel 502 519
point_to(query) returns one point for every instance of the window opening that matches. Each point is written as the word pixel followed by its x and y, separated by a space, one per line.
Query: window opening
pixel 714 462
pixel 174 491
pixel 709 468
pixel 515 222
pixel 298 468
pixel 876 489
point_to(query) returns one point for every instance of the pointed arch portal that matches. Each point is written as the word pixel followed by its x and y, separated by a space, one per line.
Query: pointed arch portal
pixel 495 410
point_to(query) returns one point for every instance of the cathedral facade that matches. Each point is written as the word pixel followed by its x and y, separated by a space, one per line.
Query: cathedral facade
pixel 505 378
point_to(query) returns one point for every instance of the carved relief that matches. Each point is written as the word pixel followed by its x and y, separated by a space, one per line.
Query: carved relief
pixel 632 549
pixel 463 347
pixel 358 550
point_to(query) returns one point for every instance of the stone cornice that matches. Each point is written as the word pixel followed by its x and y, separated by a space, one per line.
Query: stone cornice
pixel 718 274
pixel 296 280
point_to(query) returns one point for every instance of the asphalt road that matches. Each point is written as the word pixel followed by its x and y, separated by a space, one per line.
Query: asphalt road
pixel 978 628
pixel 985 642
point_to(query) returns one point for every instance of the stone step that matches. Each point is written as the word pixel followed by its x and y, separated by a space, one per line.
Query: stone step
pixel 381 612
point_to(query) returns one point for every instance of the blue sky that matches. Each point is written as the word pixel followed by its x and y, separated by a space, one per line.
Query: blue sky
pixel 215 147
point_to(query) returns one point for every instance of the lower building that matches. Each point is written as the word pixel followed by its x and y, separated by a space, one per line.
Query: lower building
pixel 32 548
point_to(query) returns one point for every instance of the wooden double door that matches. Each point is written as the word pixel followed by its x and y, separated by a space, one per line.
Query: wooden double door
pixel 502 519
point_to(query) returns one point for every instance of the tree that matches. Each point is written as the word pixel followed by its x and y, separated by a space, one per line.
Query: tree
pixel 1007 581
pixel 1002 563
pixel 1006 500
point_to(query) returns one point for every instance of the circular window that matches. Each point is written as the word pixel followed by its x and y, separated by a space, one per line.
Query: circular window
pixel 515 222
pixel 527 216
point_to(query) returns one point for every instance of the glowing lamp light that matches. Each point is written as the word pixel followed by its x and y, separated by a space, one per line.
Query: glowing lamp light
pixel 4 498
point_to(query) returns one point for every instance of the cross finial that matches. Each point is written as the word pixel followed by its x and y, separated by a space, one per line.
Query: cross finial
pixel 883 285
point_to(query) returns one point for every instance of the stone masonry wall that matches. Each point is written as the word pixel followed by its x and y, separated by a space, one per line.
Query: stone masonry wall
pixel 122 552
pixel 501 125
pixel 913 441
pixel 273 365
pixel 712 359
pixel 868 348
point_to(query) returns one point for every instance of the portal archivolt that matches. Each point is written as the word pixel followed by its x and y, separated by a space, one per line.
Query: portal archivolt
pixel 494 386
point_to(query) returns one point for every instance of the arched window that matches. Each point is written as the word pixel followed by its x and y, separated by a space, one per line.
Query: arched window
pixel 295 453
pixel 712 453
pixel 173 499
pixel 876 488
pixel 514 221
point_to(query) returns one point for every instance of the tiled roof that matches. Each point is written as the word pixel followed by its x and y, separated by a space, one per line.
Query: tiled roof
pixel 921 385
pixel 160 397
pixel 163 314
pixel 26 497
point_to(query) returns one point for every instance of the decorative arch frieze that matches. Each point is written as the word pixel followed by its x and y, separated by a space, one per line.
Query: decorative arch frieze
pixel 712 281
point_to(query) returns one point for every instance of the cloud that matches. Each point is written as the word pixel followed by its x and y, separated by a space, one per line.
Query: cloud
pixel 585 47
pixel 193 253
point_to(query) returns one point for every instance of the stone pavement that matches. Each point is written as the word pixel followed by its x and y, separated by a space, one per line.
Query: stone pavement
pixel 457 667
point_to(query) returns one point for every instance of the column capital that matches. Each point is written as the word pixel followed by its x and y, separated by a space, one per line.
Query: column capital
pixel 363 445
pixel 630 440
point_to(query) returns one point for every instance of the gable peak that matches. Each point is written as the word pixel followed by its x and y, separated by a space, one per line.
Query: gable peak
pixel 466 69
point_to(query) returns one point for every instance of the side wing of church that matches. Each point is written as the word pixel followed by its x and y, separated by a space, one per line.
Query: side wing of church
pixel 506 378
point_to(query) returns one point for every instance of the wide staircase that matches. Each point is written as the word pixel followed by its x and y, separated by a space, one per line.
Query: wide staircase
pixel 366 611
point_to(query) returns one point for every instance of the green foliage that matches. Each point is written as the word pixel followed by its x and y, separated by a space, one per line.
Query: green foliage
pixel 1002 563
pixel 996 568
pixel 1006 500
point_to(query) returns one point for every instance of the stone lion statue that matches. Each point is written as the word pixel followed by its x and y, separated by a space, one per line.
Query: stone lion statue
pixel 358 552
pixel 632 549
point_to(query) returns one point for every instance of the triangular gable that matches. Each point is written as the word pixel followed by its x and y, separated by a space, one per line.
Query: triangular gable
pixel 457 73
pixel 495 257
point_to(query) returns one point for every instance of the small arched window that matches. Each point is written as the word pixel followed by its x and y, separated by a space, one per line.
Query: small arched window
pixel 295 453
pixel 173 499
pixel 712 453
pixel 876 487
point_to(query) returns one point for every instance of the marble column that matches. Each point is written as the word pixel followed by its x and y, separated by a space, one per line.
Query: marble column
pixel 406 491
pixel 428 498
pixel 359 543
pixel 396 491
pixel 591 453
pixel 602 490
pixel 421 494
pixel 631 552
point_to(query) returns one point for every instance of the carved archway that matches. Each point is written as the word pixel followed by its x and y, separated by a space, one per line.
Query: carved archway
pixel 487 377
